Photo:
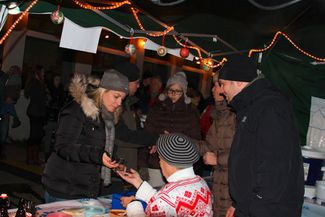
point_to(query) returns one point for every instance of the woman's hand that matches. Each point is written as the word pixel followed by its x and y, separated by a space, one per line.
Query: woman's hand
pixel 107 161
pixel 126 200
pixel 210 158
pixel 131 177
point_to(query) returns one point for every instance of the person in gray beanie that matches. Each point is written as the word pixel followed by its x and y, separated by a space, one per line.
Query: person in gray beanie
pixel 84 143
pixel 184 194
pixel 177 80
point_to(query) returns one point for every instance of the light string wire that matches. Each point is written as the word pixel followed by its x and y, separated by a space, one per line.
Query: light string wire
pixel 114 5
pixel 136 17
pixel 291 42
pixel 4 37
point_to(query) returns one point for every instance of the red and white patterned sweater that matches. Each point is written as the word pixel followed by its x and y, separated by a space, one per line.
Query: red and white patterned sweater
pixel 185 195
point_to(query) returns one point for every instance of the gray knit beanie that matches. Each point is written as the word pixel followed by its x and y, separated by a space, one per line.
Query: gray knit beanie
pixel 114 80
pixel 177 150
pixel 178 78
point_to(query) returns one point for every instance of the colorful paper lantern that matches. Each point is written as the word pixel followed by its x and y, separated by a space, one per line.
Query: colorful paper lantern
pixel 162 51
pixel 57 17
pixel 130 49
pixel 184 52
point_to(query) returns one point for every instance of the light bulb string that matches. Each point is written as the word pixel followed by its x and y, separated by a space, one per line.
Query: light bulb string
pixel 17 21
pixel 114 5
pixel 158 34
pixel 291 42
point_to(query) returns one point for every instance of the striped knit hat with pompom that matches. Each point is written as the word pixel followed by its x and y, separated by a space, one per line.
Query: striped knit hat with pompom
pixel 177 150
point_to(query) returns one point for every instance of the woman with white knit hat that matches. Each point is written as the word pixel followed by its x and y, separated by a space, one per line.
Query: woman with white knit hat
pixel 173 114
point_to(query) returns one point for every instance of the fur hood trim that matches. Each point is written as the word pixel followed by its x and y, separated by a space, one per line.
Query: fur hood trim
pixel 77 89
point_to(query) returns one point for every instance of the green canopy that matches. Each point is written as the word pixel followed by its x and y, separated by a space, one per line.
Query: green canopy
pixel 291 70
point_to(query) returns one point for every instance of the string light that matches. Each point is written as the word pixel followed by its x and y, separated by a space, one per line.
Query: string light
pixel 158 34
pixel 17 21
pixel 294 44
pixel 114 5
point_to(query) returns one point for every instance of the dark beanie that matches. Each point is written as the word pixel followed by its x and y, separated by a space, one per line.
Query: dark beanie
pixel 114 80
pixel 131 71
pixel 239 68
pixel 147 74
pixel 177 150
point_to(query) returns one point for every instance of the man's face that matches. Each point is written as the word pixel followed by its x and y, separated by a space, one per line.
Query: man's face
pixel 133 87
pixel 231 88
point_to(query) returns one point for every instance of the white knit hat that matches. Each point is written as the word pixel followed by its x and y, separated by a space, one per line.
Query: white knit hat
pixel 178 78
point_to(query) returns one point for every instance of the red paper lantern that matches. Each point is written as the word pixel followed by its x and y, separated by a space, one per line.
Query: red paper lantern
pixel 184 52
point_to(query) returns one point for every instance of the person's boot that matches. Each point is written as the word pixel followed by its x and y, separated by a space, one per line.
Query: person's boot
pixel 16 122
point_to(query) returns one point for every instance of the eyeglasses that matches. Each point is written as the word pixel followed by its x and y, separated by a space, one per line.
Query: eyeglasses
pixel 174 92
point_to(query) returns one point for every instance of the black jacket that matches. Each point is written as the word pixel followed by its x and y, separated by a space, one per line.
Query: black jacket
pixel 74 168
pixel 265 164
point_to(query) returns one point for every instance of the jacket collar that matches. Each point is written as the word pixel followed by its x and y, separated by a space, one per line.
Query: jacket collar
pixel 249 94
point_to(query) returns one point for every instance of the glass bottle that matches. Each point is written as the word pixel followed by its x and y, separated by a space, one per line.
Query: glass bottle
pixel 21 212
pixel 4 205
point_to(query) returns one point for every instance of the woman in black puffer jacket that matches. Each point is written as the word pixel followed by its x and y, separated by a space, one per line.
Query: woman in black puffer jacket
pixel 85 138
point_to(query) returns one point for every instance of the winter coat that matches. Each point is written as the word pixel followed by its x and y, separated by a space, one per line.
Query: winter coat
pixel 265 165
pixel 177 117
pixel 74 168
pixel 3 82
pixel 218 141
pixel 35 91
pixel 128 131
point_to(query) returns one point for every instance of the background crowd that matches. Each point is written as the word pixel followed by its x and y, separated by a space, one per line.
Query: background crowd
pixel 116 120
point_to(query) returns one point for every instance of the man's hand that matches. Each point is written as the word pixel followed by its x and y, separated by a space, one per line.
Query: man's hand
pixel 107 161
pixel 131 177
pixel 230 212
pixel 153 149
pixel 126 200
pixel 210 158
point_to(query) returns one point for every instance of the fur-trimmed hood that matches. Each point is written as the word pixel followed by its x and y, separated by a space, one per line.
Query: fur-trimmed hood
pixel 77 89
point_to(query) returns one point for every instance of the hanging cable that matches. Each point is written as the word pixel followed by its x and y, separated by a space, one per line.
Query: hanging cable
pixel 271 8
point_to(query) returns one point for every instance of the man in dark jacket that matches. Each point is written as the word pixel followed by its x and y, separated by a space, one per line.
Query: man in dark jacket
pixel 129 135
pixel 265 165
